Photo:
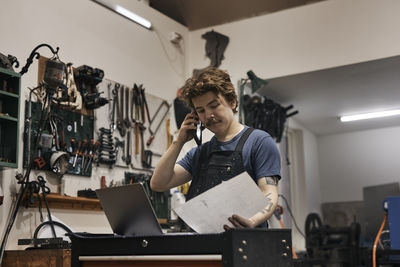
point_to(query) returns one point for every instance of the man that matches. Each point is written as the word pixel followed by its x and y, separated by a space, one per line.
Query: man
pixel 233 149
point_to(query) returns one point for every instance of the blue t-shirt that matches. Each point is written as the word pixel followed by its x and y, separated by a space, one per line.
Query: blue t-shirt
pixel 260 154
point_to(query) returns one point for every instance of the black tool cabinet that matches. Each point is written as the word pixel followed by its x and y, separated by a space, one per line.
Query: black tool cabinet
pixel 10 84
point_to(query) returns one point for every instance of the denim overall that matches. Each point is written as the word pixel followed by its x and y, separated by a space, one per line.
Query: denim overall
pixel 217 166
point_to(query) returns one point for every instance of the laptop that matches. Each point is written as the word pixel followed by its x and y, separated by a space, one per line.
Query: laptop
pixel 129 211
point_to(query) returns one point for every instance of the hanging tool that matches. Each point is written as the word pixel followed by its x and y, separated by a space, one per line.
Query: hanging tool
pixel 93 151
pixel 118 109
pixel 72 148
pixel 106 147
pixel 148 158
pixel 127 126
pixel 152 133
pixel 128 149
pixel 86 153
pixel 80 153
pixel 144 104
pixel 126 120
pixel 113 106
pixel 119 145
pixel 137 115
pixel 77 152
pixel 137 136
pixel 141 130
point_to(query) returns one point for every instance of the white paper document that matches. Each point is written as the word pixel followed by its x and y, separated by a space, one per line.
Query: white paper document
pixel 209 211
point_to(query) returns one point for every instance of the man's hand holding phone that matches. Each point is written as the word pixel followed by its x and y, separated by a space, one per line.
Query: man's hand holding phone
pixel 189 128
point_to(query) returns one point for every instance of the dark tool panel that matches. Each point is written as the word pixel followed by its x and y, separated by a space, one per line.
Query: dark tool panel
pixel 66 131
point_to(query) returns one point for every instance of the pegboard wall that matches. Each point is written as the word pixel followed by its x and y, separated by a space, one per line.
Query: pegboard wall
pixel 137 144
pixel 143 155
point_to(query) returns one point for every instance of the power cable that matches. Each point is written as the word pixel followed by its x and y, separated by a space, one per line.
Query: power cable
pixel 377 239
pixel 171 60
pixel 291 215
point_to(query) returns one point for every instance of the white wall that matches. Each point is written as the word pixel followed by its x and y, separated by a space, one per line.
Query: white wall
pixel 316 36
pixel 311 169
pixel 348 162
pixel 87 34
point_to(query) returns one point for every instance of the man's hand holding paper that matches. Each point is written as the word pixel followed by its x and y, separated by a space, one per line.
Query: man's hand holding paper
pixel 230 204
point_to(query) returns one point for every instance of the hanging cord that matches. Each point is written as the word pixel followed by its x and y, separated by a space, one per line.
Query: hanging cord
pixel 171 60
pixel 377 239
pixel 52 224
pixel 291 215
pixel 45 191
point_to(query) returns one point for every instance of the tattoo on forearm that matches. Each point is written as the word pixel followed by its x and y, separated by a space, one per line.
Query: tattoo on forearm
pixel 267 208
pixel 272 180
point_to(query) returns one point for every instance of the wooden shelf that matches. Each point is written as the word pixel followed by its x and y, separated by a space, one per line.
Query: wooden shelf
pixel 75 203
pixel 65 202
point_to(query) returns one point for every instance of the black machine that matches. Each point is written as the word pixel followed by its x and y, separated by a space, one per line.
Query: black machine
pixel 330 246
pixel 237 248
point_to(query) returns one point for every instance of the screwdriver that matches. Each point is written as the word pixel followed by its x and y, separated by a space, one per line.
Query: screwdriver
pixel 76 153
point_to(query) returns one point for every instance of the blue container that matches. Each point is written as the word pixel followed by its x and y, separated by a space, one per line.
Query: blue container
pixel 393 207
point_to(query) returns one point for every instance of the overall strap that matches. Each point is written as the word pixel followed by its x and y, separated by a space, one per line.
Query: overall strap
pixel 204 151
pixel 243 139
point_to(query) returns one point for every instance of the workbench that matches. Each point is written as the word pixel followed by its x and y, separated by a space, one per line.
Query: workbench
pixel 234 248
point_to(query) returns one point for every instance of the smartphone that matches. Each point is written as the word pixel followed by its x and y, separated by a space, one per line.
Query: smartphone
pixel 199 133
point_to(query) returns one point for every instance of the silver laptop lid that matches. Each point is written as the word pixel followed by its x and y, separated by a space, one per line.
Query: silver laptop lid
pixel 128 210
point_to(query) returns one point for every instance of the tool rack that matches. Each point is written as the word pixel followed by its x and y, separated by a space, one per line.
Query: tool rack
pixel 75 126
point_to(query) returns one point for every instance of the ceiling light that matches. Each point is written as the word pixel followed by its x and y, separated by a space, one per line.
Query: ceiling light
pixel 371 115
pixel 125 13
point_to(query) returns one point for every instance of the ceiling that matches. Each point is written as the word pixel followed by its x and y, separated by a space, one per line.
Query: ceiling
pixel 197 14
pixel 322 96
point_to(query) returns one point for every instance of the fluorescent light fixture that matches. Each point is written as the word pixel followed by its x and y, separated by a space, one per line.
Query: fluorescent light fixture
pixel 371 115
pixel 125 13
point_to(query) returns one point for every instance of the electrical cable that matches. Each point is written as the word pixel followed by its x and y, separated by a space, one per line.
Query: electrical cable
pixel 381 242
pixel 291 215
pixel 171 60
pixel 378 235
pixel 63 226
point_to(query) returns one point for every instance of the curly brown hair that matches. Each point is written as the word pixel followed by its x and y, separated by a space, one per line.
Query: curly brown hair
pixel 210 79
